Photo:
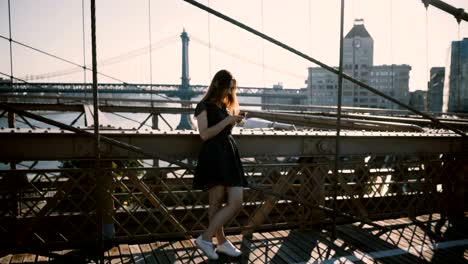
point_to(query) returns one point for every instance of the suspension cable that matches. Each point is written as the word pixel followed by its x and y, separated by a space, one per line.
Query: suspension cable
pixel 84 49
pixel 321 64
pixel 59 58
pixel 150 48
pixel 246 59
pixel 66 60
pixel 458 68
pixel 209 44
pixel 392 54
pixel 112 60
pixel 263 44
pixel 10 40
pixel 310 27
pixel 427 48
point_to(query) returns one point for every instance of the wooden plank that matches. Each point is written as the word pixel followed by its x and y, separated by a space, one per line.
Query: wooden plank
pixel 125 253
pixel 114 255
pixel 320 245
pixel 283 251
pixel 182 255
pixel 136 253
pixel 42 259
pixel 254 250
pixel 30 258
pixel 6 259
pixel 195 255
pixel 273 245
pixel 148 254
pixel 159 251
pixel 369 243
pixel 292 243
pixel 17 258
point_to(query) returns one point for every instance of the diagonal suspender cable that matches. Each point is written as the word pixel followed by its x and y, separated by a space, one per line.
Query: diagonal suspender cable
pixel 321 64
pixel 59 58
pixel 70 62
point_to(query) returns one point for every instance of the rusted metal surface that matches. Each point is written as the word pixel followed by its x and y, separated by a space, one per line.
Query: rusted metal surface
pixel 381 175
pixel 29 144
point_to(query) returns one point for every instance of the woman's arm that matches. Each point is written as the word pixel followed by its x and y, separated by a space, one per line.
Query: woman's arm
pixel 209 132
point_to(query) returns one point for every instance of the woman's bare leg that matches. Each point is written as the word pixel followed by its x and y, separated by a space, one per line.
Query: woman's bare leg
pixel 216 199
pixel 234 203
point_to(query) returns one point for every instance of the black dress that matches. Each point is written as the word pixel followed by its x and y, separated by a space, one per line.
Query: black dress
pixel 218 162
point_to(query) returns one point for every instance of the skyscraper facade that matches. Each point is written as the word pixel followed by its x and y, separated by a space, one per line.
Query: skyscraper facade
pixel 455 93
pixel 435 89
pixel 358 62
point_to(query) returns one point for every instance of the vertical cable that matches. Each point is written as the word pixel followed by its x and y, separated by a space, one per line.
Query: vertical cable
pixel 97 138
pixel 427 45
pixel 11 115
pixel 354 55
pixel 11 44
pixel 209 44
pixel 458 68
pixel 338 122
pixel 427 57
pixel 84 49
pixel 263 44
pixel 310 27
pixel 150 48
pixel 309 73
pixel 392 61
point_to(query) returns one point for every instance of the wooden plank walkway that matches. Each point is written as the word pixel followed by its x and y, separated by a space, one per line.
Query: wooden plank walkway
pixel 422 240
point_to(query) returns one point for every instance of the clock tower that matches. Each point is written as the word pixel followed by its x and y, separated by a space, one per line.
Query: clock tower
pixel 358 47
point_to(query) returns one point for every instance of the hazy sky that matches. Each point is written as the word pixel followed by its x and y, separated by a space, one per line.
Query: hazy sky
pixel 398 28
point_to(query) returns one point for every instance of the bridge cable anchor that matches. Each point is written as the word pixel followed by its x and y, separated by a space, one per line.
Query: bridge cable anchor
pixel 459 15
pixel 426 3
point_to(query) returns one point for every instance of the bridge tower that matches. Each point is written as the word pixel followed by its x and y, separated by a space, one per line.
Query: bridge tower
pixel 185 86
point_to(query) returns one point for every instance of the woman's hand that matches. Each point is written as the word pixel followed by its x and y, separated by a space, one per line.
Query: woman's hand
pixel 234 119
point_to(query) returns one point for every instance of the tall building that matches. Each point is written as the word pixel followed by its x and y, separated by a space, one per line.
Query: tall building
pixel 435 89
pixel 455 93
pixel 358 62
pixel 418 100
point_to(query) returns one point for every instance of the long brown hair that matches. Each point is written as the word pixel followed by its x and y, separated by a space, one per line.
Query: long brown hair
pixel 221 93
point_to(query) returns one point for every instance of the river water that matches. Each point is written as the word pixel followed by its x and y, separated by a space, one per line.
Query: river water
pixel 123 120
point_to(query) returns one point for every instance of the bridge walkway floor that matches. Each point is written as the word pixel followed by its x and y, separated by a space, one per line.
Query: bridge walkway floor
pixel 424 239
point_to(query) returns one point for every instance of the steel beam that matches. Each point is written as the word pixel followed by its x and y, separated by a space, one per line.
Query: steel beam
pixel 27 144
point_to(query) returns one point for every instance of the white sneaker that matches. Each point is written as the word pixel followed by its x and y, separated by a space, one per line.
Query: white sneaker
pixel 229 249
pixel 206 247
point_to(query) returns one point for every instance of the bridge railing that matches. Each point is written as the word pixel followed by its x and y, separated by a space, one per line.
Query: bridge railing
pixel 291 184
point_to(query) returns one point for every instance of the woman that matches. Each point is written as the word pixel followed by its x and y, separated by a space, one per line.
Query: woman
pixel 219 169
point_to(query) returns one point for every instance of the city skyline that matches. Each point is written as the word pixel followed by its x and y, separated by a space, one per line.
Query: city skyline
pixel 122 27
